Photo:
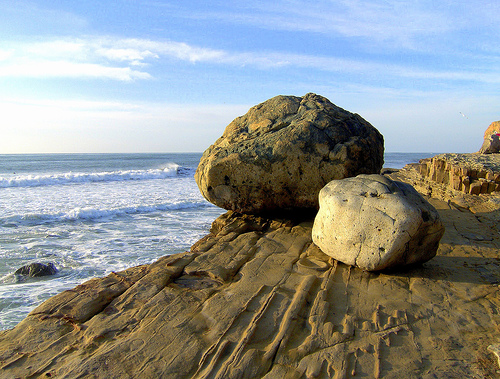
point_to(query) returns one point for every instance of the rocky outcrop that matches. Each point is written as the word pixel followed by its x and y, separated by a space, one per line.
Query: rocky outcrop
pixel 468 173
pixel 493 128
pixel 257 299
pixel 283 151
pixel 34 270
pixel 375 223
pixel 491 143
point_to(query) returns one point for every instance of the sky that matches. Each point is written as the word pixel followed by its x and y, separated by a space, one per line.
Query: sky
pixel 169 76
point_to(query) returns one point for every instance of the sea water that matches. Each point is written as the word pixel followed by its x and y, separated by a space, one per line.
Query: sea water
pixel 91 214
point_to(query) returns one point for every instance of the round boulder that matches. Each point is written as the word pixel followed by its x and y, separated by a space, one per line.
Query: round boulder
pixel 375 223
pixel 282 152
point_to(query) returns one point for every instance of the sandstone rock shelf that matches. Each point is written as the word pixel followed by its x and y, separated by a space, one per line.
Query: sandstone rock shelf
pixel 255 298
pixel 468 173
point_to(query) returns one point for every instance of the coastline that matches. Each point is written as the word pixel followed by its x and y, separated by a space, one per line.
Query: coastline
pixel 255 298
pixel 122 223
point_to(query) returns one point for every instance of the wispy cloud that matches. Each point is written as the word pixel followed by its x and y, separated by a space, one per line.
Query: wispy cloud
pixel 97 57
pixel 130 59
pixel 393 22
pixel 58 69
pixel 424 25
pixel 70 58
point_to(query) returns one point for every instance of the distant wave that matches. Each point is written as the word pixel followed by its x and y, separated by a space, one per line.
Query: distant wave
pixel 170 170
pixel 91 214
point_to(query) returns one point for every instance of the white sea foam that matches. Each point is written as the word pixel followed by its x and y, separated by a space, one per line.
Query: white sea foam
pixel 89 213
pixel 170 170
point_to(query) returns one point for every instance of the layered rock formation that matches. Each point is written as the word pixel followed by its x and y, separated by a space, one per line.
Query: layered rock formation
pixel 374 223
pixel 468 173
pixel 256 299
pixel 283 151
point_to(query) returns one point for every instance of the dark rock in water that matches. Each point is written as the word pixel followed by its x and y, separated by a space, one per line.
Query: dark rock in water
pixel 282 152
pixel 35 270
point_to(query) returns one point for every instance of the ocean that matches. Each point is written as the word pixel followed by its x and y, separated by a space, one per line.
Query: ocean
pixel 91 214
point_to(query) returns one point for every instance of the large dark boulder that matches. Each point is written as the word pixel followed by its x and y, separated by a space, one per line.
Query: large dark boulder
pixel 282 152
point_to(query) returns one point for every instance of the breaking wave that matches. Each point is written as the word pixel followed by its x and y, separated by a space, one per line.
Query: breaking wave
pixel 170 170
pixel 92 214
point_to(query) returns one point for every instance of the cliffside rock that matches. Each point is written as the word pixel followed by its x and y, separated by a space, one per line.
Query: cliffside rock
pixel 283 151
pixel 34 270
pixel 375 223
pixel 493 128
pixel 491 143
pixel 468 173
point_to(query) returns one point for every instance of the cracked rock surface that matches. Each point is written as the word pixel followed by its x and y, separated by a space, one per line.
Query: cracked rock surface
pixel 257 299
pixel 375 223
pixel 283 151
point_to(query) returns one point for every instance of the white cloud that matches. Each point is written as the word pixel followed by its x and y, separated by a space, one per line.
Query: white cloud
pixel 5 54
pixel 128 59
pixel 57 69
pixel 178 50
pixel 73 58
pixel 97 57
pixel 133 56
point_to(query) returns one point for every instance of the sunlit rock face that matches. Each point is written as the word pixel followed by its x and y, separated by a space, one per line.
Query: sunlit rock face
pixel 283 151
pixel 375 223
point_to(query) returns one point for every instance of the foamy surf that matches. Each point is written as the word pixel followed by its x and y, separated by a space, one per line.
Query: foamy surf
pixel 169 171
pixel 93 214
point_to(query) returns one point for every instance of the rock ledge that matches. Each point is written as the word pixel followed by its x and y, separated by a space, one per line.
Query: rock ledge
pixel 257 299
pixel 469 173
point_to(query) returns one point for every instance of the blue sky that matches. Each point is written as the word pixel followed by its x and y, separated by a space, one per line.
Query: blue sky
pixel 168 76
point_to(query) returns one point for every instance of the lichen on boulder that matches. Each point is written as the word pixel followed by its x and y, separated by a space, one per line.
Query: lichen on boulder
pixel 283 151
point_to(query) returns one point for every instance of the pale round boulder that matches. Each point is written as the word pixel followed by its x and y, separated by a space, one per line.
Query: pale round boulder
pixel 282 152
pixel 374 223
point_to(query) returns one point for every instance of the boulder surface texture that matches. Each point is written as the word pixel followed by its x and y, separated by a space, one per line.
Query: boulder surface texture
pixel 282 152
pixel 375 223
